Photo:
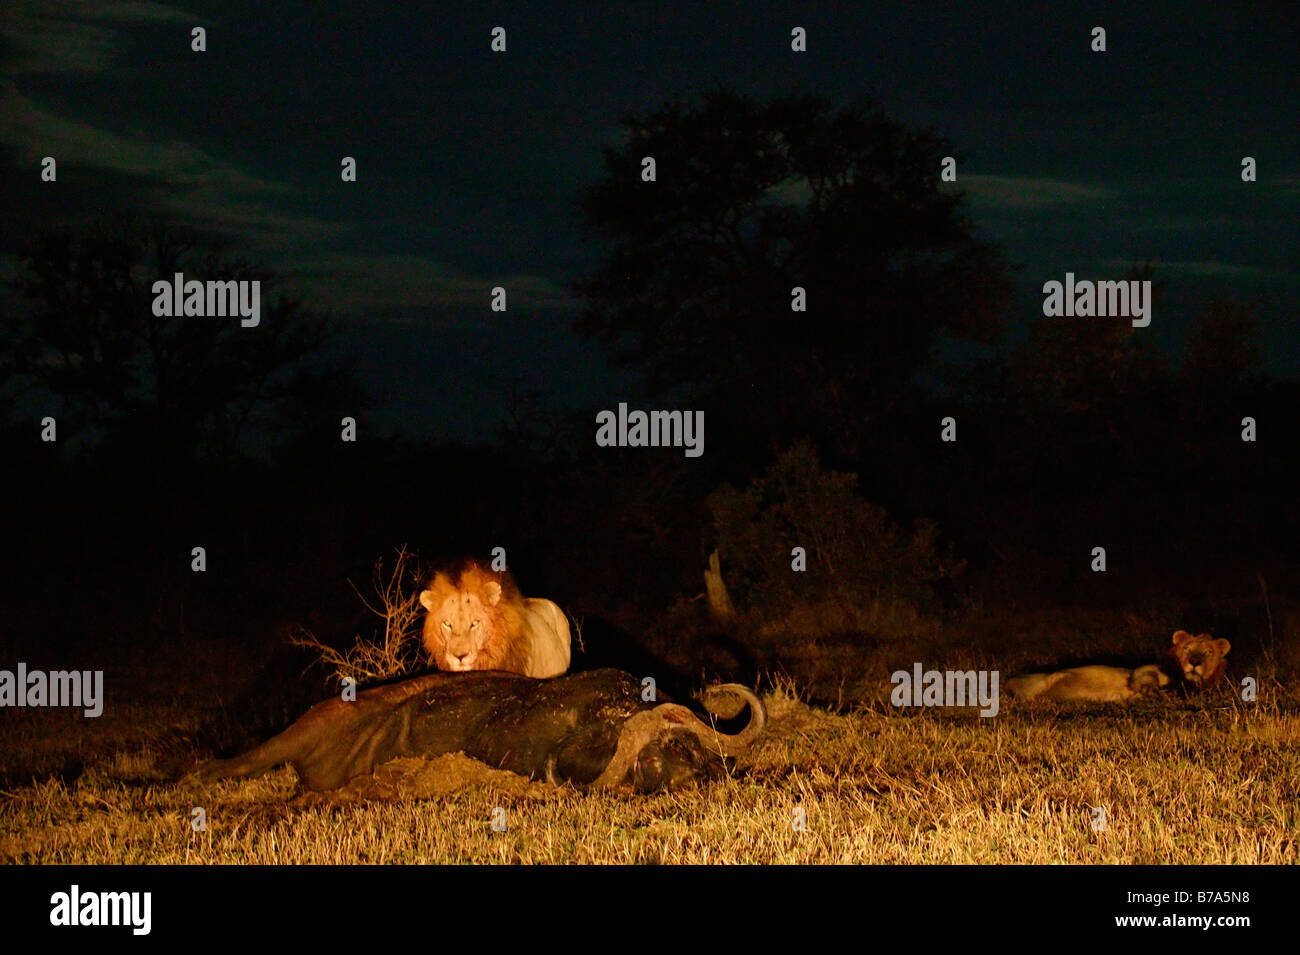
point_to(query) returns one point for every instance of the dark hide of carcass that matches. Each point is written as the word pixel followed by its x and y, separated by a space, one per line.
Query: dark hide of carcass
pixel 591 729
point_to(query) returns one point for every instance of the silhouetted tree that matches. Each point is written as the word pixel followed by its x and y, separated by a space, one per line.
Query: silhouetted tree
pixel 163 389
pixel 162 413
pixel 1086 365
pixel 1222 380
pixel 1222 351
pixel 752 200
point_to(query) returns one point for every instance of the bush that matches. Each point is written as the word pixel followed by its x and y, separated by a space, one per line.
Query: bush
pixel 394 651
pixel 860 564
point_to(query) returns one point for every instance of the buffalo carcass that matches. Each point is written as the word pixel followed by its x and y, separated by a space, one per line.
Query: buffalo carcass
pixel 591 729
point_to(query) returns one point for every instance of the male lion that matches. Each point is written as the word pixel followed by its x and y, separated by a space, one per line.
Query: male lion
pixel 1093 684
pixel 1198 661
pixel 477 620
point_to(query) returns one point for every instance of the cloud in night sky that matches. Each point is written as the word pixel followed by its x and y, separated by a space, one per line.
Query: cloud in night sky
pixel 72 36
pixel 355 282
pixel 1209 269
pixel 1028 192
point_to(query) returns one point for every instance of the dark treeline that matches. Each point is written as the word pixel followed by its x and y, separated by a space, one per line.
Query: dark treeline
pixel 175 433
pixel 99 540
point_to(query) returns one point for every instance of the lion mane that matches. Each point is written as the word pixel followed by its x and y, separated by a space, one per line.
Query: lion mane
pixel 477 620
pixel 1197 661
pixel 1091 684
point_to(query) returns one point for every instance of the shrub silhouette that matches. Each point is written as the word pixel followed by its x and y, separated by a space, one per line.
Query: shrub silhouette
pixel 859 562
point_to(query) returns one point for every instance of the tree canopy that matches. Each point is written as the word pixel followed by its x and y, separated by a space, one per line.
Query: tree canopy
pixel 752 200
pixel 83 337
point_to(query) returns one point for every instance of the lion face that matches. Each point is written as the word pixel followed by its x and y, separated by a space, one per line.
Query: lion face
pixel 457 629
pixel 1200 657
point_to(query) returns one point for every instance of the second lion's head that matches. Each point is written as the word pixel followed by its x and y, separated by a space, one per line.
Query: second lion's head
pixel 1200 659
pixel 473 620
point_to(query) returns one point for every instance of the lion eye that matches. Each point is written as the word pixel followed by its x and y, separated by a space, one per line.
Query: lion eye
pixel 473 624
pixel 447 624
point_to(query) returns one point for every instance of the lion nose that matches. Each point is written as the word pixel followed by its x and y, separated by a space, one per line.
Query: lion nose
pixel 462 656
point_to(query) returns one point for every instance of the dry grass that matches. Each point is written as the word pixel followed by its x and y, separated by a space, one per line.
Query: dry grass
pixel 1212 780
pixel 1180 783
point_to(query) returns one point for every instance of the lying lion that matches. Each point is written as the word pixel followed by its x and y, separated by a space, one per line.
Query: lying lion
pixel 1193 663
pixel 1093 684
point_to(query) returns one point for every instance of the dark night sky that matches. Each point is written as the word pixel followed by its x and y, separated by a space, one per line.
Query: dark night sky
pixel 470 162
